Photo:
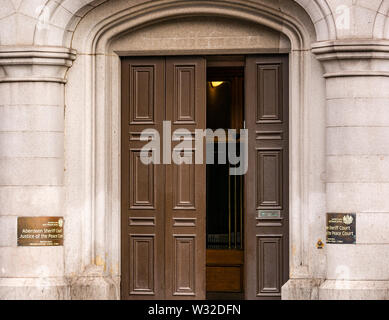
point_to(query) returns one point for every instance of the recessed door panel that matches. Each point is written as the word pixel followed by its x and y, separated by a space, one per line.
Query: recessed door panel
pixel 269 265
pixel 184 193
pixel 184 257
pixel 142 187
pixel 269 178
pixel 184 102
pixel 142 264
pixel 142 99
pixel 269 93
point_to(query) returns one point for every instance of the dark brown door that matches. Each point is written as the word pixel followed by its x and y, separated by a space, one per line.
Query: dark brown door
pixel 163 205
pixel 267 186
pixel 143 198
pixel 185 183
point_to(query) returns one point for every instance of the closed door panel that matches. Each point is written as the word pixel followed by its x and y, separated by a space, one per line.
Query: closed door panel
pixel 185 183
pixel 267 182
pixel 143 202
pixel 163 205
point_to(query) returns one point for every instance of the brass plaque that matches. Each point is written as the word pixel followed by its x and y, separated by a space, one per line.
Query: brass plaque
pixel 269 214
pixel 341 228
pixel 40 231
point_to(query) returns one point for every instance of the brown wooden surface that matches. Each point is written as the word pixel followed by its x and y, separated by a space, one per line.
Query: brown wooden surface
pixel 224 279
pixel 267 185
pixel 163 206
pixel 225 271
pixel 143 105
pixel 225 257
pixel 185 183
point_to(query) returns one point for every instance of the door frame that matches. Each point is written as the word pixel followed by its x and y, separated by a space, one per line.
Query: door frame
pixel 297 231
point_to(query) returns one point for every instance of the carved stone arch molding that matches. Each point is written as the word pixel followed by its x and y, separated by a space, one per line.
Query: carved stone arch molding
pixel 381 23
pixel 92 124
pixel 64 16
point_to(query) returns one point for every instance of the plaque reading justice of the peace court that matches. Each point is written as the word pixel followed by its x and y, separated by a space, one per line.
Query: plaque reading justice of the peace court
pixel 40 231
pixel 341 228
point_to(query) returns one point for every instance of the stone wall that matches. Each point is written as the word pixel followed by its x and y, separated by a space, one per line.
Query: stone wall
pixel 59 67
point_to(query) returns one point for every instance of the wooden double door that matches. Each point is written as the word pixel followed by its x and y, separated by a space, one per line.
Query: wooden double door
pixel 163 253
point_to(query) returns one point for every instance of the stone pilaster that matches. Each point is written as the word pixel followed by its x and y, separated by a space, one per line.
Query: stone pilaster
pixel 357 156
pixel 31 166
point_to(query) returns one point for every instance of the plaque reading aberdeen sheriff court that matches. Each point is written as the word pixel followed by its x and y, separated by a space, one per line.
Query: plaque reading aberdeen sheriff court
pixel 341 228
pixel 40 231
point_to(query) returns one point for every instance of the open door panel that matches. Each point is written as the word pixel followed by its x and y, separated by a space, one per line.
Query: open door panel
pixel 267 179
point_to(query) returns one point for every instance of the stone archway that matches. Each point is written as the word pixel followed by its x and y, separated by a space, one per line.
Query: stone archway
pixel 63 17
pixel 92 97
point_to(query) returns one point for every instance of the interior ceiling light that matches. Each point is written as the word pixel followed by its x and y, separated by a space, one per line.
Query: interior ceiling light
pixel 215 84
